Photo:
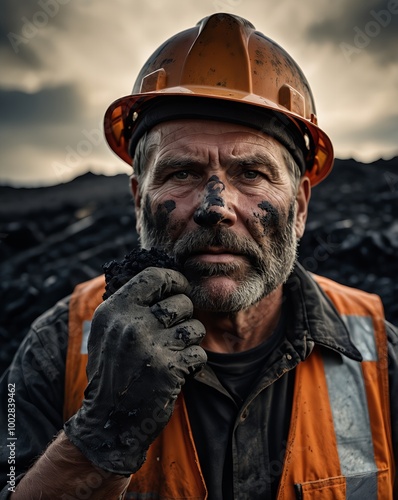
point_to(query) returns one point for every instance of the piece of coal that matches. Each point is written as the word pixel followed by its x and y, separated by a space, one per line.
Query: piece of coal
pixel 119 273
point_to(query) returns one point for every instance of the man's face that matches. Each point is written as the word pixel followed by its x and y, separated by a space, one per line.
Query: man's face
pixel 220 198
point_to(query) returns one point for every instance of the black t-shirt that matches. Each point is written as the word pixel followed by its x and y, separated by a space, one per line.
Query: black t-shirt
pixel 214 400
pixel 238 371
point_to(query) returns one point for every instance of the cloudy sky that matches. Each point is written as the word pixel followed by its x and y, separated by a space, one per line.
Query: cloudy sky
pixel 64 61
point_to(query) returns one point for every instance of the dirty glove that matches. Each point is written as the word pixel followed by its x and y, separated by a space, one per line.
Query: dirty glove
pixel 142 345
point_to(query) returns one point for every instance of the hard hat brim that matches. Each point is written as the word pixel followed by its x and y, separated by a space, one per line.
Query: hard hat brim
pixel 124 114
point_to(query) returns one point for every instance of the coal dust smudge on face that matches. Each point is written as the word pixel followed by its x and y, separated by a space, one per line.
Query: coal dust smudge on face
pixel 154 228
pixel 162 215
pixel 271 219
pixel 204 216
pixel 268 263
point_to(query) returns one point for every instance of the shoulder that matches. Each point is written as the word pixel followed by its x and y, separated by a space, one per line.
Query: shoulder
pixel 350 301
pixel 331 286
pixel 87 296
pixel 45 346
pixel 58 314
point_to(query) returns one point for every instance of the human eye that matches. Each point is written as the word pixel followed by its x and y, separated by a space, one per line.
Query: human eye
pixel 184 175
pixel 251 174
pixel 181 175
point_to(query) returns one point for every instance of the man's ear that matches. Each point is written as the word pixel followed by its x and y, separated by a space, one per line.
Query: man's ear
pixel 302 199
pixel 134 186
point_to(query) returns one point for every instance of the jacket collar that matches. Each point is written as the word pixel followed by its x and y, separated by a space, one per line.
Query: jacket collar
pixel 316 320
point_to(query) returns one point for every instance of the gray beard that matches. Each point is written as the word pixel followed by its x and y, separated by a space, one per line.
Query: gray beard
pixel 265 270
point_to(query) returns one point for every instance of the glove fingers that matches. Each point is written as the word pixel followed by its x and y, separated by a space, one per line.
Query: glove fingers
pixel 187 334
pixel 153 284
pixel 173 310
pixel 193 358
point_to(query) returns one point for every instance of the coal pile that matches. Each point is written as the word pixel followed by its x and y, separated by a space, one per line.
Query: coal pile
pixel 118 273
pixel 352 229
pixel 56 237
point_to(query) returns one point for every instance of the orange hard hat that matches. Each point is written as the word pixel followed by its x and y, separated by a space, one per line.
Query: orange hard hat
pixel 222 69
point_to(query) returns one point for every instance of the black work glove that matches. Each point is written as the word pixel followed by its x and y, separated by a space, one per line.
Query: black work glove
pixel 142 345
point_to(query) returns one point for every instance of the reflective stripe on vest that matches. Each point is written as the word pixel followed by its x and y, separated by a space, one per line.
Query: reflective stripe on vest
pixel 339 444
pixel 347 396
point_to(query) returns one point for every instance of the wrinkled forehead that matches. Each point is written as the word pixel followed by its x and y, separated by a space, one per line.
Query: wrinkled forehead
pixel 202 142
pixel 202 137
pixel 269 123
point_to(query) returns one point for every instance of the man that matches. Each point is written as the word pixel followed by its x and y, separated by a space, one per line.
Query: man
pixel 243 376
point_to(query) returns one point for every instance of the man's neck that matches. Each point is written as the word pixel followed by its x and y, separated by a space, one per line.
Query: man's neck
pixel 243 330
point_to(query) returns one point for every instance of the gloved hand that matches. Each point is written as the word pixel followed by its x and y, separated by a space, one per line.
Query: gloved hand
pixel 142 345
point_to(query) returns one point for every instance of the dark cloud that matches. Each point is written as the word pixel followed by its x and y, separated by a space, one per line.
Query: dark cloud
pixel 357 26
pixel 12 14
pixel 11 38
pixel 51 105
pixel 23 21
pixel 25 17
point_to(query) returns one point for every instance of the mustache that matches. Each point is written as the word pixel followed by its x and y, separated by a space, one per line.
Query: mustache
pixel 203 238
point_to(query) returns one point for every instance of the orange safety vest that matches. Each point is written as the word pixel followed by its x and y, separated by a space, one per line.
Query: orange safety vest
pixel 339 443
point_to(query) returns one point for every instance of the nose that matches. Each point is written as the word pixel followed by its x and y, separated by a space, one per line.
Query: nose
pixel 213 209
